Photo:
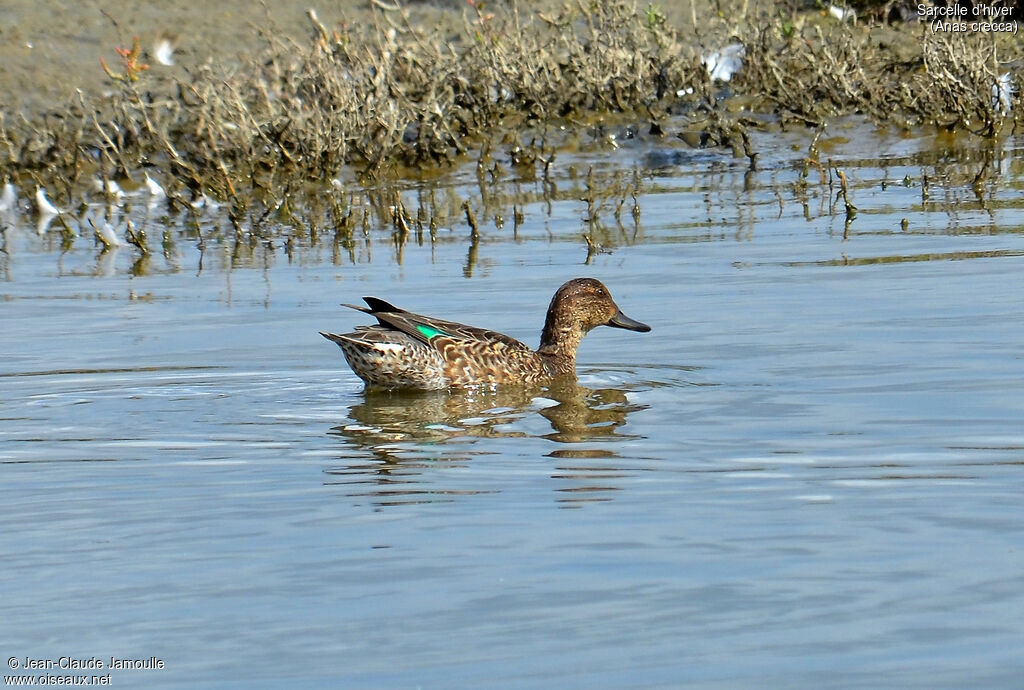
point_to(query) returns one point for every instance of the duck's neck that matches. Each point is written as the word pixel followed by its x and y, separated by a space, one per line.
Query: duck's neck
pixel 558 343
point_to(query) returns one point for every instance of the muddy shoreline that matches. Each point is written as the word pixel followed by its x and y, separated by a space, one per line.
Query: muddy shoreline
pixel 48 54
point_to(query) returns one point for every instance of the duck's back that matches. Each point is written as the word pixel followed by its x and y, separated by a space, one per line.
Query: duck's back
pixel 408 350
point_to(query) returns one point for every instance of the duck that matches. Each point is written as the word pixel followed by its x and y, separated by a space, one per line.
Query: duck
pixel 409 351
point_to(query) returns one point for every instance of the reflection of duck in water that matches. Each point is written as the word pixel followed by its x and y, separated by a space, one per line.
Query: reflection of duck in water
pixel 428 416
pixel 584 414
pixel 406 350
pixel 576 414
pixel 410 436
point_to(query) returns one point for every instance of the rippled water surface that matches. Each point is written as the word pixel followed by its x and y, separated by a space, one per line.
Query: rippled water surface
pixel 809 474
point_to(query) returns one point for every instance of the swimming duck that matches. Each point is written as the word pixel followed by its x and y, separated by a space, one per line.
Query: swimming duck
pixel 408 351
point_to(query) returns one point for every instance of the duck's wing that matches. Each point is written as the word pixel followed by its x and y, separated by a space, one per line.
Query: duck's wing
pixel 373 337
pixel 433 331
pixel 376 304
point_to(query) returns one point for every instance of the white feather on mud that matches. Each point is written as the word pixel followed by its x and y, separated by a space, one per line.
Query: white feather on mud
pixel 163 51
pixel 724 63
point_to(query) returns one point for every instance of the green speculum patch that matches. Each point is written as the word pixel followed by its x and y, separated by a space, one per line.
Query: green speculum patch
pixel 429 332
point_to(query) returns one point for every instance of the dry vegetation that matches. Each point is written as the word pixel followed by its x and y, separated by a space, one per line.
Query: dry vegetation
pixel 391 98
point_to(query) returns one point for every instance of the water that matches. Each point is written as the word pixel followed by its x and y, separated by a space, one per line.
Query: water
pixel 807 475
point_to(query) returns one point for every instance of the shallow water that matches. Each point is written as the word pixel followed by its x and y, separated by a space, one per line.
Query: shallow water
pixel 809 474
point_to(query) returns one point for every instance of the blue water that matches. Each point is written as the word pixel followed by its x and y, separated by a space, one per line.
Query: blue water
pixel 809 474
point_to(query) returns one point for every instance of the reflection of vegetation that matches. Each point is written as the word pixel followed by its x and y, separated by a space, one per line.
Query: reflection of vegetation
pixel 407 432
pixel 950 175
pixel 909 258
pixel 343 223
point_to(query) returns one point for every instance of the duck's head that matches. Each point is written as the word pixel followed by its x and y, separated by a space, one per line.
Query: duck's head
pixel 579 306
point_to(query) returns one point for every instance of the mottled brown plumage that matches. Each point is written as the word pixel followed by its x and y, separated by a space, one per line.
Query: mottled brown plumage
pixel 406 350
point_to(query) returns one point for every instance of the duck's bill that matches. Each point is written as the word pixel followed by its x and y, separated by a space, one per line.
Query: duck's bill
pixel 620 320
